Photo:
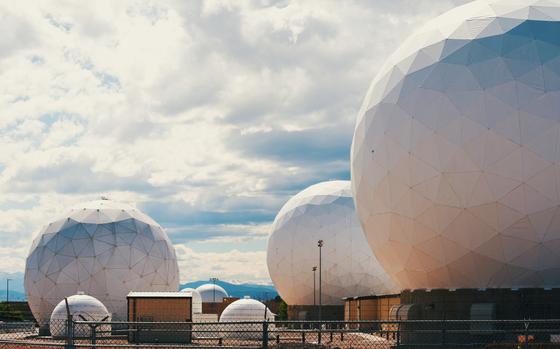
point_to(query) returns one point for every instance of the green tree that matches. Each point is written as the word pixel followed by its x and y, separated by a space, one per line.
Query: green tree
pixel 9 314
pixel 282 309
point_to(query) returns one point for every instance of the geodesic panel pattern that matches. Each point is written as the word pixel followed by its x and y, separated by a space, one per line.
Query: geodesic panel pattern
pixel 324 211
pixel 456 152
pixel 104 249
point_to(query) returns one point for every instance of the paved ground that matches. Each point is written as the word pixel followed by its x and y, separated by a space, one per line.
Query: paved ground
pixel 350 340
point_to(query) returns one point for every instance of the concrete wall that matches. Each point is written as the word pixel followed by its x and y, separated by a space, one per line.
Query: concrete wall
pixel 456 304
pixel 509 303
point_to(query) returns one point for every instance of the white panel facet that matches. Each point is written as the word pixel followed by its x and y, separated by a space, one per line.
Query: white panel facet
pixel 455 160
pixel 324 211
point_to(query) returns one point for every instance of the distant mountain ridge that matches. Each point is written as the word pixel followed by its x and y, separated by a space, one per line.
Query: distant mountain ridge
pixel 16 281
pixel 255 291
pixel 14 296
pixel 17 291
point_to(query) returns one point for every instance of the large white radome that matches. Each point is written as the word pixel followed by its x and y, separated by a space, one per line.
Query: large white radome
pixel 323 211
pixel 103 248
pixel 456 152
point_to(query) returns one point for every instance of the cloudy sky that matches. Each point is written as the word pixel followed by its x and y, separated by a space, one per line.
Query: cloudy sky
pixel 208 115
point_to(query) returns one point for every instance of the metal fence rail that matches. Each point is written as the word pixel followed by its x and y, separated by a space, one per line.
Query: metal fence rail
pixel 518 334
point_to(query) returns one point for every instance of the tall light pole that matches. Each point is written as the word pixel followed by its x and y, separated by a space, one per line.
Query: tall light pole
pixel 320 245
pixel 314 291
pixel 265 305
pixel 8 292
pixel 214 293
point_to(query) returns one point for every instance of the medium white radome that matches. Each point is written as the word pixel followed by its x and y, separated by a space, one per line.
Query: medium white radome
pixel 324 211
pixel 103 248
pixel 211 293
pixel 456 159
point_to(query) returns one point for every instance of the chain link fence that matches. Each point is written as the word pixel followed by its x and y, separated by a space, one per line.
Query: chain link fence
pixel 518 334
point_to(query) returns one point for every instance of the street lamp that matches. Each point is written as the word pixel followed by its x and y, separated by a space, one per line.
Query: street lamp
pixel 8 292
pixel 265 305
pixel 320 245
pixel 314 291
pixel 214 280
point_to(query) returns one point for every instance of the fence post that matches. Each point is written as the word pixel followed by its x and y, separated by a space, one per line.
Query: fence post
pixel 93 335
pixel 443 334
pixel 265 335
pixel 69 332
pixel 398 334
pixel 526 325
pixel 319 334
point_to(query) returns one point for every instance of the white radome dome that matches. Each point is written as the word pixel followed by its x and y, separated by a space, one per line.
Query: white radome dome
pixel 455 159
pixel 211 293
pixel 247 310
pixel 196 299
pixel 103 248
pixel 324 211
pixel 82 308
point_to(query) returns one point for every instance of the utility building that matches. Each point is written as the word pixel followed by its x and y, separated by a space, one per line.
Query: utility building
pixel 149 308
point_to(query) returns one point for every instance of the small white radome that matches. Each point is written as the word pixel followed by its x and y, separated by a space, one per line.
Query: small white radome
pixel 196 299
pixel 246 310
pixel 211 293
pixel 82 308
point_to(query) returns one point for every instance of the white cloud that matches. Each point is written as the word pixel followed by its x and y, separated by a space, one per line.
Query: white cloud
pixel 233 265
pixel 197 110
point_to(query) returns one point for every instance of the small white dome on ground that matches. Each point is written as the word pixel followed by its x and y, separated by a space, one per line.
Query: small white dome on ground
pixel 211 293
pixel 196 299
pixel 82 308
pixel 246 310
